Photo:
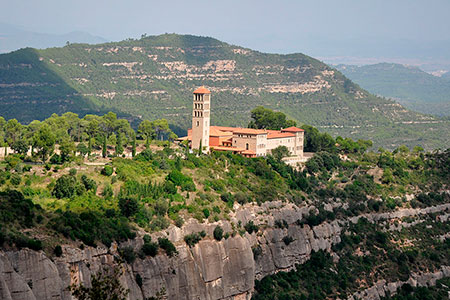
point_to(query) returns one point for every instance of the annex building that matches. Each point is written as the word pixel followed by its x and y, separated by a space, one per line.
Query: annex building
pixel 244 141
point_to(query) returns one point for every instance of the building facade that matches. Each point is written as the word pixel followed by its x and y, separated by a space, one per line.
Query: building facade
pixel 245 141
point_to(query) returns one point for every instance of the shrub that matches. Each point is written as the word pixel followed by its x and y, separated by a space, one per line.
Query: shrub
pixel 65 187
pixel 287 240
pixel 107 191
pixel 218 233
pixel 88 183
pixel 57 251
pixel 15 179
pixel 128 206
pixel 107 171
pixel 127 253
pixel 257 251
pixel 139 280
pixel 150 248
pixel 167 245
pixel 192 239
pixel 206 213
pixel 250 227
pixel 73 172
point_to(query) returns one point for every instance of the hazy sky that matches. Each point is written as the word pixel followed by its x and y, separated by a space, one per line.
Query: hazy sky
pixel 281 26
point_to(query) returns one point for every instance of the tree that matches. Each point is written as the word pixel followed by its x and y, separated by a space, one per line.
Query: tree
pixel 119 147
pixel 105 285
pixel 104 148
pixel 264 118
pixel 44 142
pixel 66 148
pixel 65 187
pixel 279 152
pixel 160 127
pixel 128 206
pixel 316 141
pixel 145 129
pixel 133 145
pixel 20 146
pixel 13 131
pixel 82 149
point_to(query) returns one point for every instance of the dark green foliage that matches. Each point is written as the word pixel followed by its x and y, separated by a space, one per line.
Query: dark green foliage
pixel 316 141
pixel 193 238
pixel 139 280
pixel 92 226
pixel 65 187
pixel 178 178
pixel 150 248
pixel 167 246
pixel 128 206
pixel 57 250
pixel 250 227
pixel 264 118
pixel 104 285
pixel 218 233
pixel 128 254
pixel 107 170
pixel 88 183
pixel 287 240
pixel 15 179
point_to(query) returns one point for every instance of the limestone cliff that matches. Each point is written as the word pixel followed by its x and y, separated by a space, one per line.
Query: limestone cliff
pixel 211 269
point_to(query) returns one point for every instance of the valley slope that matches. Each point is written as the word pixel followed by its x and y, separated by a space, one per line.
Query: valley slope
pixel 410 86
pixel 153 77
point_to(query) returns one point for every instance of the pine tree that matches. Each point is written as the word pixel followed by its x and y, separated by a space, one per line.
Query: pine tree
pixel 104 147
pixel 133 150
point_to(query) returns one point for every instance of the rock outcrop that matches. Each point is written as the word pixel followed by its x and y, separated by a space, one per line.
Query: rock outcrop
pixel 211 269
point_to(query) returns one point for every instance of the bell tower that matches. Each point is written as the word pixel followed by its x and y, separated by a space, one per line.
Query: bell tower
pixel 200 119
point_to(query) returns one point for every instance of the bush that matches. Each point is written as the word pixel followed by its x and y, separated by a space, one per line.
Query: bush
pixel 218 233
pixel 250 227
pixel 73 172
pixel 192 239
pixel 107 171
pixel 287 240
pixel 15 179
pixel 128 206
pixel 167 245
pixel 57 251
pixel 257 251
pixel 108 191
pixel 139 280
pixel 127 253
pixel 150 248
pixel 65 187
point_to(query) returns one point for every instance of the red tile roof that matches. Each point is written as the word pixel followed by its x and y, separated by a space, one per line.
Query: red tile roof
pixel 249 131
pixel 292 129
pixel 276 135
pixel 202 90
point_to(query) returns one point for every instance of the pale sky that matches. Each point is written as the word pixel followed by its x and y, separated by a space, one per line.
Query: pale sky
pixel 272 26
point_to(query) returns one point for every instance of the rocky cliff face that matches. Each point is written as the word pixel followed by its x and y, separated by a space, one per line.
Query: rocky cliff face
pixel 208 270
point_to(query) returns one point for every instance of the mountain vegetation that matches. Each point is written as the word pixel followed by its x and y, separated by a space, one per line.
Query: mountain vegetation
pixel 153 77
pixel 77 197
pixel 410 86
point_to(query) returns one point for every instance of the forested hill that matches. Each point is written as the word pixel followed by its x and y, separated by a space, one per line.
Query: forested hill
pixel 410 86
pixel 153 77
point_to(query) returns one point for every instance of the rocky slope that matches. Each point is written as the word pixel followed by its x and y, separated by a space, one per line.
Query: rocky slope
pixel 154 77
pixel 208 270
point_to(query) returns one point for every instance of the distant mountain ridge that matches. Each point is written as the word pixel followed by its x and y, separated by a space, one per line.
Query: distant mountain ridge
pixel 13 38
pixel 154 77
pixel 410 86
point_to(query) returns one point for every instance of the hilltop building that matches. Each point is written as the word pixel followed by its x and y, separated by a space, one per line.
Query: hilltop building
pixel 245 141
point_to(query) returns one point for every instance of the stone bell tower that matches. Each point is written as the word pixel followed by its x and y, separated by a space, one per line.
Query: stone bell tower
pixel 200 119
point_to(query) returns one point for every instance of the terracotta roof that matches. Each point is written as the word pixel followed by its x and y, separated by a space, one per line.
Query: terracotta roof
pixel 223 148
pixel 292 129
pixel 249 152
pixel 202 90
pixel 214 131
pixel 249 131
pixel 277 135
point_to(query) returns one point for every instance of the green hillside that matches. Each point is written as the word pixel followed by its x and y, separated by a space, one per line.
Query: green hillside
pixel 412 87
pixel 153 77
